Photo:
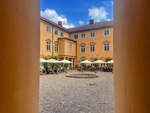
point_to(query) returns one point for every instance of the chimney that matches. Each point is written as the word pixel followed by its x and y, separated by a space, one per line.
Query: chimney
pixel 91 21
pixel 60 23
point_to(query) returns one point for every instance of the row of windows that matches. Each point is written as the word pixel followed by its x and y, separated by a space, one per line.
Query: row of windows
pixel 56 31
pixel 92 34
pixel 48 47
pixel 83 35
pixel 92 48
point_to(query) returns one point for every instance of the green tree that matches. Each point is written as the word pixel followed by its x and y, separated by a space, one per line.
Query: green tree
pixel 96 65
pixel 108 59
pixel 45 64
pixel 66 65
pixel 83 65
pixel 54 57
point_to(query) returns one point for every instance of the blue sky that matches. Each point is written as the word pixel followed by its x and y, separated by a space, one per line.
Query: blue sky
pixel 77 12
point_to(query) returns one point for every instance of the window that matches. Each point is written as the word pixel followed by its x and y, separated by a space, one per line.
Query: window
pixel 106 32
pixel 76 36
pixel 92 34
pixel 70 48
pixel 106 47
pixel 83 49
pixel 83 35
pixel 62 34
pixel 56 32
pixel 48 29
pixel 48 46
pixel 92 47
pixel 56 48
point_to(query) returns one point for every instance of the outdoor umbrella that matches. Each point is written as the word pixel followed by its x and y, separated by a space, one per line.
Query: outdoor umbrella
pixel 86 62
pixel 110 62
pixel 65 61
pixel 43 60
pixel 98 62
pixel 52 61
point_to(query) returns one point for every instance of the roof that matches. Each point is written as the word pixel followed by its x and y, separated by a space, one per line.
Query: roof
pixel 54 24
pixel 99 25
pixel 95 26
pixel 65 38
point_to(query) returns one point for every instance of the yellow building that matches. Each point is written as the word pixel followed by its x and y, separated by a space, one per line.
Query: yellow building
pixel 92 41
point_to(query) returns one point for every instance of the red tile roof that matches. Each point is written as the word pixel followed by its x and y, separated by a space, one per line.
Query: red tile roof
pixel 53 23
pixel 99 25
pixel 92 26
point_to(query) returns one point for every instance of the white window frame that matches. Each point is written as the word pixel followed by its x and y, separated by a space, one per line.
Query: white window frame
pixel 70 48
pixel 92 34
pixel 56 32
pixel 56 48
pixel 106 47
pixel 75 36
pixel 82 48
pixel 48 29
pixel 106 32
pixel 83 35
pixel 48 46
pixel 92 48
pixel 62 34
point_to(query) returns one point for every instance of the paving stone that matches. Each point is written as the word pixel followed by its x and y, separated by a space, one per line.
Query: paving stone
pixel 59 94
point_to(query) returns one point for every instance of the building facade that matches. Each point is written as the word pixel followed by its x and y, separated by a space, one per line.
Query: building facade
pixel 92 41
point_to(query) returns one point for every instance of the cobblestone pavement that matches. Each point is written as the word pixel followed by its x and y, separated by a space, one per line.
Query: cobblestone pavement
pixel 59 94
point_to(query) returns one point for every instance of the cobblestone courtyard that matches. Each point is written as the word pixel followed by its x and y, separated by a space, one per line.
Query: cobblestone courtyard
pixel 59 94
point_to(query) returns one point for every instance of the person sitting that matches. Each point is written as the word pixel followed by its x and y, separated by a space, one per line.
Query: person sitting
pixel 55 69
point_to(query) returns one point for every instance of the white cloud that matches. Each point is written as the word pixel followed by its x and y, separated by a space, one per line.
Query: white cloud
pixel 55 17
pixel 81 22
pixel 108 19
pixel 98 14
